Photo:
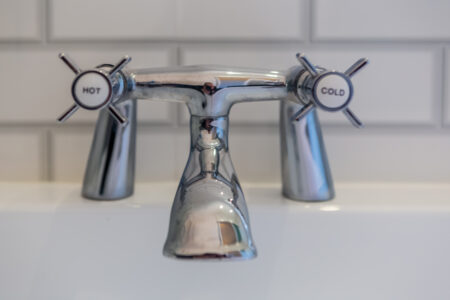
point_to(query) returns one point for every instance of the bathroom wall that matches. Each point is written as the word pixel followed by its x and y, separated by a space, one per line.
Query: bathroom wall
pixel 402 96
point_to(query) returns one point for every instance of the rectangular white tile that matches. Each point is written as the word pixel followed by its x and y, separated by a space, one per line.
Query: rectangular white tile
pixel 35 83
pixel 70 152
pixel 264 56
pixel 156 112
pixel 20 20
pixel 256 154
pixel 155 155
pixel 381 20
pixel 386 91
pixel 420 157
pixel 21 156
pixel 112 20
pixel 172 19
pixel 237 19
pixel 246 113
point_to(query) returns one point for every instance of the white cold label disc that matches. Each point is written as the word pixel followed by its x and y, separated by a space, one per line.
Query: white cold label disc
pixel 332 91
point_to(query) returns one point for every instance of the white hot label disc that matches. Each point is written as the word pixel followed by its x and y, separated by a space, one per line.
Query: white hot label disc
pixel 92 90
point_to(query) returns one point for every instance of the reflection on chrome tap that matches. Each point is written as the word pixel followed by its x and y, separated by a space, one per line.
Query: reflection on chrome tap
pixel 209 216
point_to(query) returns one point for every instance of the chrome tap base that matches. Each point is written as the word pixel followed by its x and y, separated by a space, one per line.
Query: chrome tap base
pixel 209 218
pixel 110 172
pixel 305 172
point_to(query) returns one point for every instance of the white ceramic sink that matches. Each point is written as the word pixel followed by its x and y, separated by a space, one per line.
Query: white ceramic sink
pixel 376 241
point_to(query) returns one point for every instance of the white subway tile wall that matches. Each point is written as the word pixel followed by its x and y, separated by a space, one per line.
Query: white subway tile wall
pixel 383 156
pixel 402 96
pixel 447 87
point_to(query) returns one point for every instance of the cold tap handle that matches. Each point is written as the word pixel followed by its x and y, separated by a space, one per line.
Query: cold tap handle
pixel 92 89
pixel 328 90
pixel 307 64
pixel 358 65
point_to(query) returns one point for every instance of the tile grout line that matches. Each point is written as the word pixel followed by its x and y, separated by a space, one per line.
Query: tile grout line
pixel 42 23
pixel 42 150
pixel 310 21
pixel 341 45
pixel 48 155
pixel 46 21
pixel 178 107
pixel 444 89
pixel 338 127
pixel 437 96
pixel 47 143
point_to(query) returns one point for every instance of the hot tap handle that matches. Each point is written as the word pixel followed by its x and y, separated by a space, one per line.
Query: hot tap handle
pixel 70 63
pixel 120 65
pixel 93 89
pixel 329 90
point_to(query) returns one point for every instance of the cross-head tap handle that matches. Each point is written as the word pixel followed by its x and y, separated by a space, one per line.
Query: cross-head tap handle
pixel 328 90
pixel 92 89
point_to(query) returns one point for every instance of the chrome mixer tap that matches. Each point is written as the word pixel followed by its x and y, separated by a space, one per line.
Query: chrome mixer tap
pixel 209 217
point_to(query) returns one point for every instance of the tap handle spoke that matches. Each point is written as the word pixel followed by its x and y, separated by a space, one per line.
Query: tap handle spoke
pixel 117 115
pixel 329 90
pixel 93 89
pixel 70 63
pixel 120 65
pixel 307 64
pixel 303 112
pixel 67 114
pixel 358 65
pixel 353 118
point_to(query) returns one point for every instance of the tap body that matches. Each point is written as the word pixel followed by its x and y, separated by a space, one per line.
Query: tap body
pixel 209 91
pixel 209 216
pixel 305 172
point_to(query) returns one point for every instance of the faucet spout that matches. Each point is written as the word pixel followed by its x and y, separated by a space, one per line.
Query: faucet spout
pixel 209 217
